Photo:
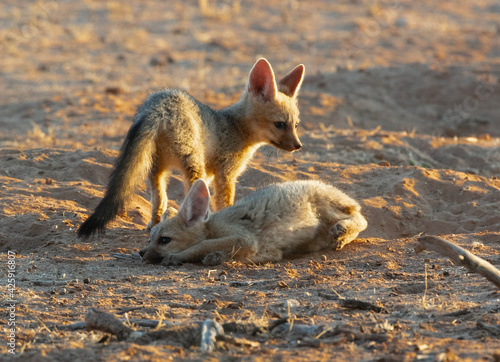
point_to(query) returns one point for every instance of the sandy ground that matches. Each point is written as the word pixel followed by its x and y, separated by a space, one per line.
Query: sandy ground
pixel 400 108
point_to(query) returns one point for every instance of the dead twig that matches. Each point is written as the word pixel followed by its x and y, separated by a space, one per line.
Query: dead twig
pixel 239 342
pixel 107 323
pixel 133 256
pixel 459 256
pixel 50 283
pixel 353 303
pixel 359 304
pixel 128 309
pixel 494 330
pixel 245 283
pixel 187 335
pixel 146 323
pixel 71 327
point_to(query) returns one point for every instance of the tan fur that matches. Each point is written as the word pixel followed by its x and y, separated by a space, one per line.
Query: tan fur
pixel 172 130
pixel 276 221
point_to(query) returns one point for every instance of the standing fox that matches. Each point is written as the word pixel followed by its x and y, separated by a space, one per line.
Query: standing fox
pixel 173 130
pixel 273 222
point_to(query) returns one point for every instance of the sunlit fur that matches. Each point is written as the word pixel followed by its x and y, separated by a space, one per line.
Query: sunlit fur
pixel 172 130
pixel 279 220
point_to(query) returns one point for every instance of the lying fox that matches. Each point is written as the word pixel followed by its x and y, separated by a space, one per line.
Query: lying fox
pixel 274 222
pixel 172 130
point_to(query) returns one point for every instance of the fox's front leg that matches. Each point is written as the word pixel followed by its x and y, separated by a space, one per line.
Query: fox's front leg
pixel 225 189
pixel 243 246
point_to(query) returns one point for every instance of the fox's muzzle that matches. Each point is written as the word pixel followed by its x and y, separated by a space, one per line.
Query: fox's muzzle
pixel 150 256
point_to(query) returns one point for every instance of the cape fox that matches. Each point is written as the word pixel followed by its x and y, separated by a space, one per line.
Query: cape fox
pixel 276 221
pixel 173 130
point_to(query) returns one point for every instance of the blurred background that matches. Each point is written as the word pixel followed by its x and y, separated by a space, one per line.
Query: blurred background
pixel 427 67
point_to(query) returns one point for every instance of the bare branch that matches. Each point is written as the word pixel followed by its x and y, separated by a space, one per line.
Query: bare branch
pixel 459 256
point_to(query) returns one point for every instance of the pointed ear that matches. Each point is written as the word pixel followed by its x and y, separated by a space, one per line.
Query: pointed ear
pixel 195 206
pixel 290 85
pixel 261 80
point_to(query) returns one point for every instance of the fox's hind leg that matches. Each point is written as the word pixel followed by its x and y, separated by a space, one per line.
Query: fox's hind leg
pixel 158 181
pixel 225 190
pixel 346 230
pixel 193 168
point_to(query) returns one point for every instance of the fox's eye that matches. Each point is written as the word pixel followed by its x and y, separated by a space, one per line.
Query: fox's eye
pixel 296 125
pixel 280 125
pixel 165 240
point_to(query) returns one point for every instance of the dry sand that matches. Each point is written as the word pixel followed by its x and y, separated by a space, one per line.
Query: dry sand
pixel 400 109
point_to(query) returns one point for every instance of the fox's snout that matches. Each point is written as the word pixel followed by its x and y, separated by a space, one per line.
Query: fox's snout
pixel 292 147
pixel 290 144
pixel 150 256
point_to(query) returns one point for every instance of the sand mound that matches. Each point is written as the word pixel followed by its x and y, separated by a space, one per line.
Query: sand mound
pixel 399 108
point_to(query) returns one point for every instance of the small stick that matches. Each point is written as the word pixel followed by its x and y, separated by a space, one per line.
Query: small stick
pixel 459 256
pixel 182 305
pixel 133 256
pixel 147 323
pixel 240 342
pixel 71 327
pixel 495 330
pixel 245 283
pixel 49 283
pixel 108 323
pixel 359 304
pixel 353 303
pixel 128 309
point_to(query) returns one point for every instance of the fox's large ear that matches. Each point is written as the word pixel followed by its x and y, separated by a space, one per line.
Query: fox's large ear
pixel 290 85
pixel 261 80
pixel 195 206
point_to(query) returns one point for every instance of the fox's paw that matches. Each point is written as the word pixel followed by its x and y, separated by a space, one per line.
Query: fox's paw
pixel 171 260
pixel 215 258
pixel 338 233
pixel 338 230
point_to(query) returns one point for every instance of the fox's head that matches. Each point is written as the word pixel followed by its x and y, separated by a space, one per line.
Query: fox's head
pixel 178 231
pixel 271 108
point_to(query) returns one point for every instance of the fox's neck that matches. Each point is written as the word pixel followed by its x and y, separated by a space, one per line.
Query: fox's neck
pixel 236 115
pixel 235 112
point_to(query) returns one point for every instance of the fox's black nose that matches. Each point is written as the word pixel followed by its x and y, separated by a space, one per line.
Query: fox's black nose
pixel 142 252
pixel 297 146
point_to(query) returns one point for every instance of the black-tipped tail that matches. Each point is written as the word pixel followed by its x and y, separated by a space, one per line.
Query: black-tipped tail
pixel 104 213
pixel 132 165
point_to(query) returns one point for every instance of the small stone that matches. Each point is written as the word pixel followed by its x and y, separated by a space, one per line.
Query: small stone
pixel 87 280
pixel 113 90
pixel 401 22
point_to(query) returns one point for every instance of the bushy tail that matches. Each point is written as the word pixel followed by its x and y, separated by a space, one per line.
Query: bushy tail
pixel 132 165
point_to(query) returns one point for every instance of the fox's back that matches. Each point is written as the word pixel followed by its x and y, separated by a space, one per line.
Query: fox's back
pixel 172 108
pixel 290 205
